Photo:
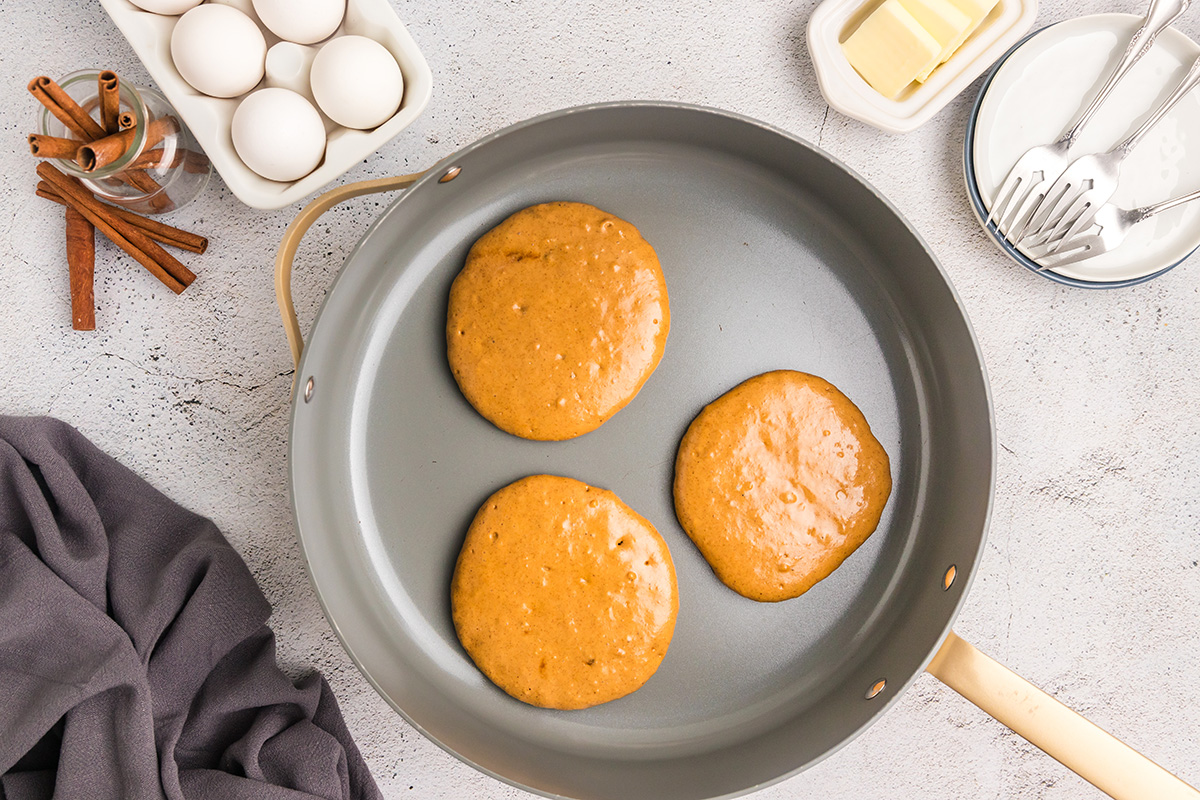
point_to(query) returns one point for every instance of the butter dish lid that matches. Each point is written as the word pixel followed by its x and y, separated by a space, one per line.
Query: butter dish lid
pixel 846 91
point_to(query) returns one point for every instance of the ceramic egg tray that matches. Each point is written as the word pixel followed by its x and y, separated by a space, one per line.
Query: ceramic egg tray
pixel 209 117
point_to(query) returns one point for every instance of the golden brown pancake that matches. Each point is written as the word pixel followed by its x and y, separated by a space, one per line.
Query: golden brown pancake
pixel 563 596
pixel 778 481
pixel 556 321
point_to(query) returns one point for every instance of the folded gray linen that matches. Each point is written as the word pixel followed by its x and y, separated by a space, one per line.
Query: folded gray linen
pixel 135 658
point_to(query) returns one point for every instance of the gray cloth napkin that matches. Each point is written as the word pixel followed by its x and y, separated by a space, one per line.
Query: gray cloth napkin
pixel 135 659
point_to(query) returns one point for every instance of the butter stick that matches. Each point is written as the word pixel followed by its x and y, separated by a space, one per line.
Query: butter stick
pixel 891 48
pixel 977 10
pixel 944 21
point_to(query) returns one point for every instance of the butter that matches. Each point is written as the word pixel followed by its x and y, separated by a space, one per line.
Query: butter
pixel 891 48
pixel 945 22
pixel 977 10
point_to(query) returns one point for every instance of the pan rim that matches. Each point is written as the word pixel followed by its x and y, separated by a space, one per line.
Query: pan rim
pixel 431 176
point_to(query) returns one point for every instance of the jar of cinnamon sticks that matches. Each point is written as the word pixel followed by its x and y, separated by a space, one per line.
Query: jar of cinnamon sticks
pixel 135 152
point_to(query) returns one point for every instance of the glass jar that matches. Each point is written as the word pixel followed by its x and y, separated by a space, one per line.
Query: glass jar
pixel 161 169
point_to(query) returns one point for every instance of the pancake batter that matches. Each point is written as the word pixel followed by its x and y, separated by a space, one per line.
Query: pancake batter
pixel 557 319
pixel 778 481
pixel 563 596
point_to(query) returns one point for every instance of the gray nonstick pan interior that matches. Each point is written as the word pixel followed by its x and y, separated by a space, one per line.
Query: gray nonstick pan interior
pixel 775 256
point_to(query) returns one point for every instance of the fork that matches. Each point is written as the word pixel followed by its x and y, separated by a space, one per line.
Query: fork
pixel 1091 180
pixel 1041 165
pixel 1110 226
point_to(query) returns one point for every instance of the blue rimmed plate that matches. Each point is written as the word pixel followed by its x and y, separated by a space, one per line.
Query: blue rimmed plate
pixel 1037 89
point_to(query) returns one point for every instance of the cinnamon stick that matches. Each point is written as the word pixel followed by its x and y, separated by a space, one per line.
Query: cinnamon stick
pixel 159 129
pixel 158 231
pixel 44 146
pixel 157 159
pixel 160 202
pixel 81 264
pixel 133 241
pixel 190 160
pixel 195 162
pixel 110 101
pixel 62 106
pixel 126 121
pixel 105 151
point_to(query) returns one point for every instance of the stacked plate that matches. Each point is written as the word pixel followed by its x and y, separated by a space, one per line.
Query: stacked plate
pixel 1038 88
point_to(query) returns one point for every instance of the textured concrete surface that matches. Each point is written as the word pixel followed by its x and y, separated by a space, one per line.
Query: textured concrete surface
pixel 1090 585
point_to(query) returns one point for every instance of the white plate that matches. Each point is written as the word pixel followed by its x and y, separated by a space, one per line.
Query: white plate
pixel 209 117
pixel 1045 83
pixel 845 90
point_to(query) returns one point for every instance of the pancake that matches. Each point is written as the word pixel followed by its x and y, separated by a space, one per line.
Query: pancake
pixel 563 596
pixel 778 481
pixel 557 319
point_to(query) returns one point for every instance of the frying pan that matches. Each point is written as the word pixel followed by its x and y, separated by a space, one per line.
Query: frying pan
pixel 776 256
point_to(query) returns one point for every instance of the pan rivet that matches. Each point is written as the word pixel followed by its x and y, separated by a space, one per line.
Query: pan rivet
pixel 948 578
pixel 308 389
pixel 876 688
pixel 450 175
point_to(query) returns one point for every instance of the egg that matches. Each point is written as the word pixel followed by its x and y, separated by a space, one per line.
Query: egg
pixel 278 134
pixel 301 21
pixel 219 50
pixel 169 7
pixel 357 82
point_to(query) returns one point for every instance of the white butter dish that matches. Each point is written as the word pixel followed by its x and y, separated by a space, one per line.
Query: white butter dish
pixel 209 118
pixel 846 91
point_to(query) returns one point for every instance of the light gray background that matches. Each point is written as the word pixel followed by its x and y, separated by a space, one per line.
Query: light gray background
pixel 1089 585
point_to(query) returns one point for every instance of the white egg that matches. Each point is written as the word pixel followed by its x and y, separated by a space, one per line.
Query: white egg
pixel 170 7
pixel 357 82
pixel 278 134
pixel 301 21
pixel 219 50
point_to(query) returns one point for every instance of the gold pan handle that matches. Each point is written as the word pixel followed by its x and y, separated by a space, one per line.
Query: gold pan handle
pixel 1098 757
pixel 295 232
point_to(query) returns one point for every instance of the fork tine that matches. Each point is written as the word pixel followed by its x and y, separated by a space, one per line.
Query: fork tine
pixel 1078 224
pixel 1051 252
pixel 1046 260
pixel 1077 217
pixel 1005 196
pixel 1081 250
pixel 1049 239
pixel 1058 198
pixel 1035 252
pixel 1036 240
pixel 1018 221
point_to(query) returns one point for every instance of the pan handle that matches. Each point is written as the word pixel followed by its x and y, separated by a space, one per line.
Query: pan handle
pixel 296 231
pixel 1098 757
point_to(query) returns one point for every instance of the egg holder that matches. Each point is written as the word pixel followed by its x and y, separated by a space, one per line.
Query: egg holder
pixel 846 91
pixel 209 118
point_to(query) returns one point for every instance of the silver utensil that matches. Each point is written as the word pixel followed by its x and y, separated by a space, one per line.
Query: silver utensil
pixel 1091 180
pixel 1040 166
pixel 1109 227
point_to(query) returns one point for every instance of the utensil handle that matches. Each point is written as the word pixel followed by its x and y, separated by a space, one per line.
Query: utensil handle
pixel 1098 757
pixel 295 232
pixel 1189 82
pixel 1145 212
pixel 1159 17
